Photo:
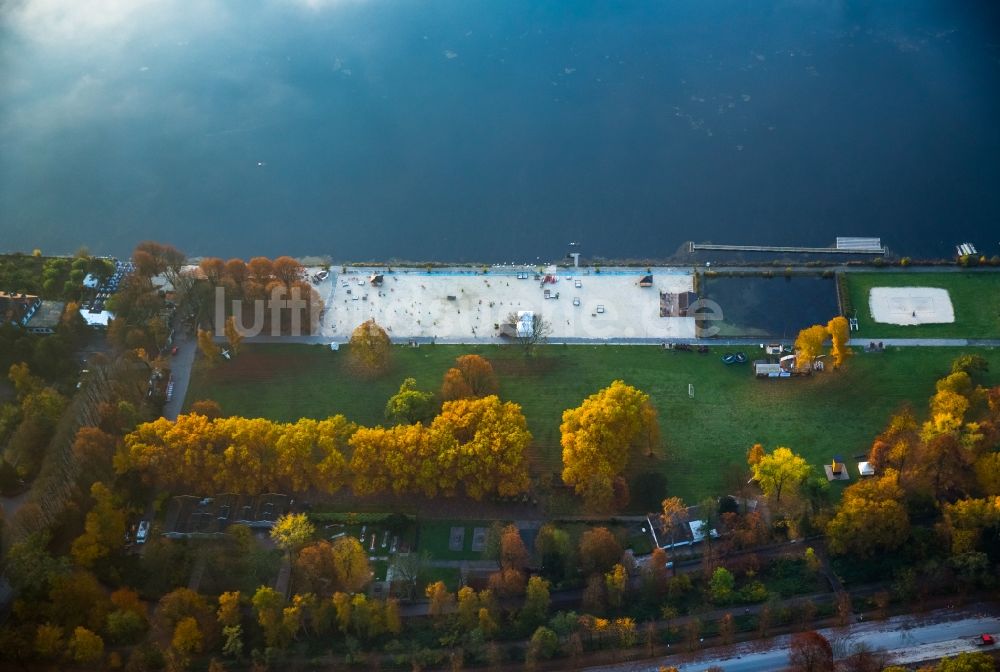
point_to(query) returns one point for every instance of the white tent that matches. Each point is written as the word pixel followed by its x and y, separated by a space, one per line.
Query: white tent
pixel 525 323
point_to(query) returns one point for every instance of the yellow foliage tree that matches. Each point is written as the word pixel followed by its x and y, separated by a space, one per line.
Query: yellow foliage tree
pixel 840 334
pixel 187 638
pixel 233 335
pixel 441 600
pixel 85 646
pixel 476 446
pixel 393 618
pixel 49 640
pixel 229 609
pixel 467 609
pixel 292 531
pixel 809 346
pixel 209 350
pixel 238 454
pixel 104 528
pixel 370 349
pixel 597 437
pixel 871 519
pixel 615 582
pixel 966 519
pixel 778 471
pixel 351 570
pixel 485 445
pixel 269 605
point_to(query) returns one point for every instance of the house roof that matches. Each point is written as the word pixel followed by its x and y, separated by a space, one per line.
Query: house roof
pixel 100 318
pixel 17 307
pixel 47 316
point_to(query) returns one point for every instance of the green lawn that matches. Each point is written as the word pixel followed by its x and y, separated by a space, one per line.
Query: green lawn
pixel 974 296
pixel 435 536
pixel 835 412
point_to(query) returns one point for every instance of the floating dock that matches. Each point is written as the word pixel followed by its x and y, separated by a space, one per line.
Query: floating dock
pixel 843 246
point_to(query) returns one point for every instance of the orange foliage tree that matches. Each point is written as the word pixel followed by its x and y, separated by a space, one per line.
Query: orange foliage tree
pixel 472 376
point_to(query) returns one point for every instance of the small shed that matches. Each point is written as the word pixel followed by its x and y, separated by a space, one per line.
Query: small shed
pixel 838 464
pixel 866 469
pixel 646 281
pixel 836 470
pixel 508 330
pixel 763 369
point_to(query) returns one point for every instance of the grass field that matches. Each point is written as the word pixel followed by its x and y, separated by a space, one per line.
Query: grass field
pixel 835 412
pixel 975 297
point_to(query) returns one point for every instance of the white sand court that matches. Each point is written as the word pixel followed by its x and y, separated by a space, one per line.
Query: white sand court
pixel 467 305
pixel 911 305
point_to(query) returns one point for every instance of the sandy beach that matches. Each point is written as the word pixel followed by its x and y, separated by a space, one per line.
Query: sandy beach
pixel 467 305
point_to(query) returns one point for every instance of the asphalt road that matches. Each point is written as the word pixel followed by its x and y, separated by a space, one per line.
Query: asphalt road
pixel 906 639
pixel 181 365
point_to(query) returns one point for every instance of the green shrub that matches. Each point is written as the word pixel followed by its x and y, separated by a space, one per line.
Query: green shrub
pixel 753 592
pixel 721 586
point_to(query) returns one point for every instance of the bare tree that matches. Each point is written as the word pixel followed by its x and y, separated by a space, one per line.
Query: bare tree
pixel 408 568
pixel 529 333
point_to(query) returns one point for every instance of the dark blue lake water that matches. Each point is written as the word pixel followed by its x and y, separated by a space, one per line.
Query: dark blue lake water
pixel 497 131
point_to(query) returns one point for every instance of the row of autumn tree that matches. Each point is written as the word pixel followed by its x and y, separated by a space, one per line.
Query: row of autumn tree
pixel 474 446
pixel 945 467
pixel 139 304
pixel 472 443
pixel 597 438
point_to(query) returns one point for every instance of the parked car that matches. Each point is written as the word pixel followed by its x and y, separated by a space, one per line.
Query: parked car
pixel 143 533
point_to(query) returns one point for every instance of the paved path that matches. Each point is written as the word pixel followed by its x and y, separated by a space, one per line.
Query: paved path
pixel 928 342
pixel 282 583
pixel 181 365
pixel 906 639
pixel 800 269
pixel 711 342
pixel 10 505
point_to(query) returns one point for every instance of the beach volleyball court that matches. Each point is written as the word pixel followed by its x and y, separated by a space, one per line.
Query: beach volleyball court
pixel 911 305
